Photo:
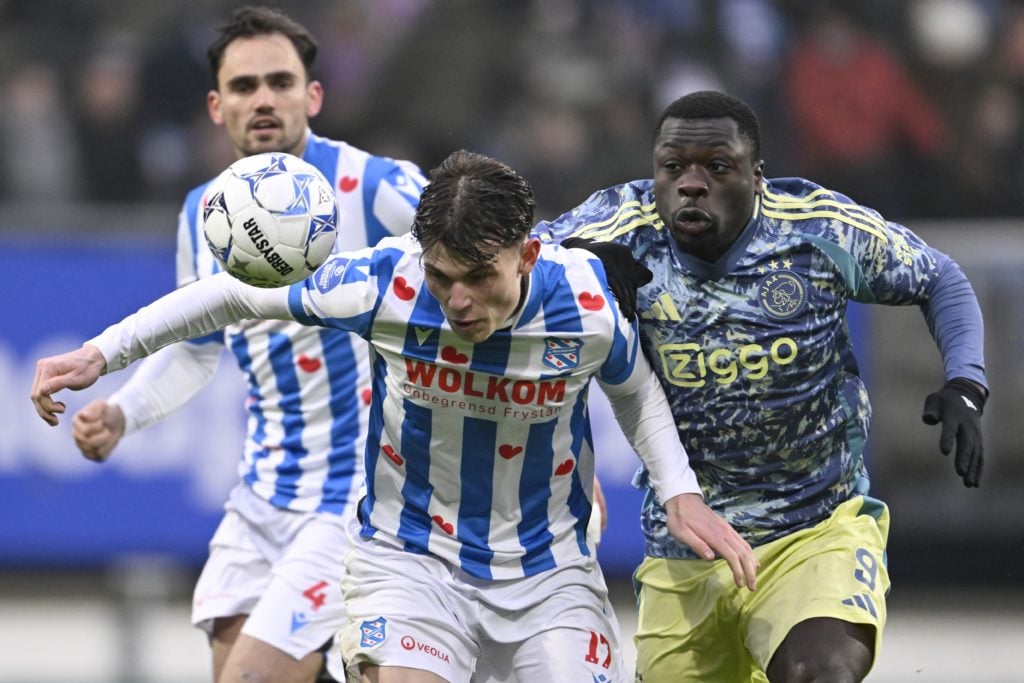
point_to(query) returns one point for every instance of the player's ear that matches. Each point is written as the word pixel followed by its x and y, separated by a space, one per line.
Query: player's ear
pixel 529 255
pixel 314 98
pixel 758 176
pixel 213 107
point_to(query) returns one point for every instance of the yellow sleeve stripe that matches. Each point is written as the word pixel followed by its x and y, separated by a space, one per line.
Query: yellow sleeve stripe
pixel 793 209
pixel 853 210
pixel 627 217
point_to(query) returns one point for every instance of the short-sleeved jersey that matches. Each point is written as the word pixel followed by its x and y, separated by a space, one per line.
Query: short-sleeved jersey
pixel 479 453
pixel 754 352
pixel 309 388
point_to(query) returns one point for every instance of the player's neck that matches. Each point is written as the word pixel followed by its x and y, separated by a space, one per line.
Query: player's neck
pixel 524 287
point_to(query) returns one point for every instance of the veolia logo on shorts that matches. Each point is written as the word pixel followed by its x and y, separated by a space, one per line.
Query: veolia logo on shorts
pixel 409 643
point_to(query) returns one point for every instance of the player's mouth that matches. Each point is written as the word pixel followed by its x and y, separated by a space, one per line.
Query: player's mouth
pixel 462 325
pixel 264 125
pixel 691 220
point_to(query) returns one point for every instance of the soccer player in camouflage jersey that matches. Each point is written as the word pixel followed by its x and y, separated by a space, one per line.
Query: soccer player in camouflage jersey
pixel 745 325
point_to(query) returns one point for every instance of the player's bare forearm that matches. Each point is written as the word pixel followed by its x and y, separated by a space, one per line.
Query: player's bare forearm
pixel 692 522
pixel 75 370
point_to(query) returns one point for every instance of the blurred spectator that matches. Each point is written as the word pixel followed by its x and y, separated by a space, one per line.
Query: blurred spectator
pixel 107 126
pixel 172 118
pixel 990 177
pixel 40 158
pixel 860 122
pixel 914 108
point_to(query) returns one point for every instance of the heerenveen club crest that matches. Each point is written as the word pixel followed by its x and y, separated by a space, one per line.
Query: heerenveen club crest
pixel 373 631
pixel 562 354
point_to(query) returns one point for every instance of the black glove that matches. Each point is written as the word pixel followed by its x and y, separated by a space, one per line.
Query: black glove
pixel 625 274
pixel 958 407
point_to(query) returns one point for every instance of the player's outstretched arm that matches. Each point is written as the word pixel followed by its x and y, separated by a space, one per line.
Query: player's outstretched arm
pixel 76 369
pixel 97 429
pixel 692 522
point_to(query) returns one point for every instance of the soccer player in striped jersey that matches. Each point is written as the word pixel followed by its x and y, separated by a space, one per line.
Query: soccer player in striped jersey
pixel 269 595
pixel 469 554
pixel 744 324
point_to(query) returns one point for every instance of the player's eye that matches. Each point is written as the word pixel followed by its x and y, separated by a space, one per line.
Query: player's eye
pixel 439 279
pixel 242 87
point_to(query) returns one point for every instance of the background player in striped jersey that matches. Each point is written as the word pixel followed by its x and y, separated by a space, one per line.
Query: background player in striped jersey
pixel 269 595
pixel 469 556
pixel 744 323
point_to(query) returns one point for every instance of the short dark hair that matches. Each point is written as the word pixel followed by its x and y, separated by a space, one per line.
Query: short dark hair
pixel 255 20
pixel 473 201
pixel 709 104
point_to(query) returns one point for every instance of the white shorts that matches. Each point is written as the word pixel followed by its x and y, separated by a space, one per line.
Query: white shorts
pixel 282 568
pixel 416 611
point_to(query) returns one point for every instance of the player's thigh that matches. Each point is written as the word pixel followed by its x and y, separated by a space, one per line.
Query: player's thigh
pixel 397 674
pixel 302 607
pixel 833 571
pixel 688 623
pixel 253 661
pixel 224 632
pixel 403 611
pixel 824 649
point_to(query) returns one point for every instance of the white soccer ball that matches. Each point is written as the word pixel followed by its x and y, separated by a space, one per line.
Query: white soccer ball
pixel 270 219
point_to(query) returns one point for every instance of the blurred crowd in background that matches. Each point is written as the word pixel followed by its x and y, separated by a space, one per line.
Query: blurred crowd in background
pixel 913 107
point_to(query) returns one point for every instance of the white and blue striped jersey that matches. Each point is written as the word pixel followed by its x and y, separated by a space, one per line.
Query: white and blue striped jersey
pixel 309 388
pixel 479 454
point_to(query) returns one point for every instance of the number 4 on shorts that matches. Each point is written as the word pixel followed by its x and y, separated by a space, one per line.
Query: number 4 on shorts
pixel 315 594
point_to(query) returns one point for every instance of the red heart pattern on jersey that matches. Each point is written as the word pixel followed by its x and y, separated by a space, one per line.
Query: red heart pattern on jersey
pixel 366 395
pixel 508 451
pixel 348 183
pixel 402 289
pixel 451 354
pixel 445 526
pixel 564 468
pixel 309 364
pixel 392 455
pixel 591 302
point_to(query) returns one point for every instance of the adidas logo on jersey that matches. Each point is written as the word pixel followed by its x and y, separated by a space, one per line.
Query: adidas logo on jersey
pixel 662 309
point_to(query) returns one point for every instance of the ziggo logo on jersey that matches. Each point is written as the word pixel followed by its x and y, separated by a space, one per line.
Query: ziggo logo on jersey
pixel 688 365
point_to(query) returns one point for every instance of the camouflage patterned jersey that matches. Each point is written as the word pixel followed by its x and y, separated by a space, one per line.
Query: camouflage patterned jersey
pixel 754 353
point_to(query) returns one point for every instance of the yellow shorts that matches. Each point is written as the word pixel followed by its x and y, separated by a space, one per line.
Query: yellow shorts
pixel 696 625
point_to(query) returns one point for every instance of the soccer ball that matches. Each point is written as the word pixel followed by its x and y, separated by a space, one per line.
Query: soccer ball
pixel 270 219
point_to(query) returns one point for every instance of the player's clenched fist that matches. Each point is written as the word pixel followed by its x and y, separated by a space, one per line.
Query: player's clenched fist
pixel 97 428
pixel 73 370
pixel 692 522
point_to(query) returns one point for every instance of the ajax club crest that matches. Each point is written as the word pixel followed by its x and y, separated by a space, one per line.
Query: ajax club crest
pixel 782 295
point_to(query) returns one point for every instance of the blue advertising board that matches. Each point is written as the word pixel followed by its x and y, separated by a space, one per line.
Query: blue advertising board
pixel 162 490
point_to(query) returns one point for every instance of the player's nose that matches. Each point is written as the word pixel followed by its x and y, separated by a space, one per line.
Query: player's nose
pixel 693 181
pixel 459 298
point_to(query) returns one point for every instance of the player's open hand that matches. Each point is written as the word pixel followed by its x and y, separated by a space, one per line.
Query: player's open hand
pixel 74 370
pixel 97 429
pixel 692 522
pixel 958 407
